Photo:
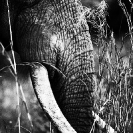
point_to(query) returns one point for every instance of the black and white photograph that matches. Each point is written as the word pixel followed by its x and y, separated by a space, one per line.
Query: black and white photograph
pixel 66 66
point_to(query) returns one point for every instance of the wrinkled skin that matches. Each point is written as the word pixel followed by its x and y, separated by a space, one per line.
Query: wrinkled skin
pixel 50 32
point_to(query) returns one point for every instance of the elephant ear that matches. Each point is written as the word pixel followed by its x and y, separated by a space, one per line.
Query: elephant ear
pixel 42 88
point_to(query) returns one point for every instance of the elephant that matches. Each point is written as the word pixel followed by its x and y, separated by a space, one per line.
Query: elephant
pixel 53 37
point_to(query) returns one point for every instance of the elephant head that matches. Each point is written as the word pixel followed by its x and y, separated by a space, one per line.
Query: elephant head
pixel 55 34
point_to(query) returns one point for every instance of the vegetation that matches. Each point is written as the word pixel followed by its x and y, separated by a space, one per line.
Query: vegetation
pixel 113 93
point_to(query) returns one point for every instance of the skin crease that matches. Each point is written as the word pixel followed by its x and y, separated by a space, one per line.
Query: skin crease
pixel 32 45
pixel 120 20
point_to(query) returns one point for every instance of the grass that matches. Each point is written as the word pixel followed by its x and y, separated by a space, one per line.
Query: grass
pixel 114 91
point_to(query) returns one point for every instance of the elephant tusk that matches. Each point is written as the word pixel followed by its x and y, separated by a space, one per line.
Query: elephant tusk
pixel 41 85
pixel 102 124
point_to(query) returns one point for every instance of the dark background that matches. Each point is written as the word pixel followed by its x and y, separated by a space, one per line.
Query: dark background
pixel 116 18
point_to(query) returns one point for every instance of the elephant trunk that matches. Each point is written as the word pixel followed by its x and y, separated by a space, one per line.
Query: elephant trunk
pixel 76 100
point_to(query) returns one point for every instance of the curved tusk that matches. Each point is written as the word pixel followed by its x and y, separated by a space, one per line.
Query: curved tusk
pixel 41 84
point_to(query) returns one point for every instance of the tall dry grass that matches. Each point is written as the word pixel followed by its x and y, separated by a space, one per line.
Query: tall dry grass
pixel 114 90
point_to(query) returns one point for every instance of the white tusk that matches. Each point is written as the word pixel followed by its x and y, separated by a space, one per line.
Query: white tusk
pixel 41 84
pixel 102 124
